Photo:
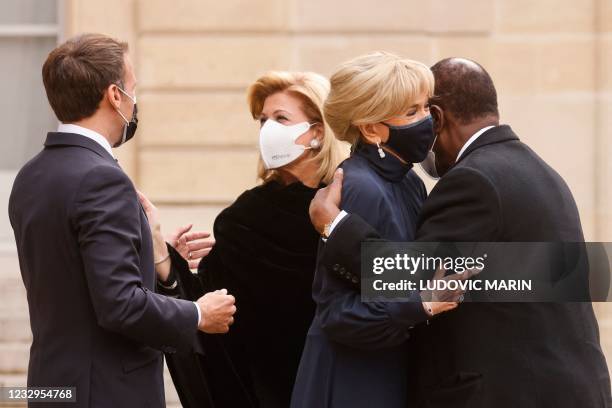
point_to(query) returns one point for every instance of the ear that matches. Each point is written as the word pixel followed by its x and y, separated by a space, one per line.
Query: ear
pixel 371 132
pixel 318 131
pixel 113 95
pixel 437 113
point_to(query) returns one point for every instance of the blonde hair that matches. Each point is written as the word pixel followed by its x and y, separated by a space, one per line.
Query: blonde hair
pixel 373 88
pixel 311 89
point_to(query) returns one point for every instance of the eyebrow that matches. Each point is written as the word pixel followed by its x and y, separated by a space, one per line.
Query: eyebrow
pixel 416 105
pixel 280 110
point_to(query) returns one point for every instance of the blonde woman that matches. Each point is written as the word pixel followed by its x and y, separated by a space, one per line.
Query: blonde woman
pixel 265 254
pixel 380 104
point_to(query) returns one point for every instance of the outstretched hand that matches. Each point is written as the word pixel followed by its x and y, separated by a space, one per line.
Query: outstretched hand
pixel 325 206
pixel 192 245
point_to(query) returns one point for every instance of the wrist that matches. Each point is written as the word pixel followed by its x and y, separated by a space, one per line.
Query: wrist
pixel 159 244
pixel 330 216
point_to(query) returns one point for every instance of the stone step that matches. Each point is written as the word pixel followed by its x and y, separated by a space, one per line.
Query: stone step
pixel 14 357
pixel 13 380
pixel 15 328
pixel 13 301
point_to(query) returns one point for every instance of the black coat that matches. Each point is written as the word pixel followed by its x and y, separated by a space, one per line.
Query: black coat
pixel 497 354
pixel 86 259
pixel 332 374
pixel 264 255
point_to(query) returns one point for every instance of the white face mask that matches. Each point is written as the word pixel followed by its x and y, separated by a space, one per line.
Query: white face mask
pixel 429 164
pixel 277 143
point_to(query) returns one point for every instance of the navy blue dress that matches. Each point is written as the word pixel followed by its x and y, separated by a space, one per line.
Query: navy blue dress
pixel 337 374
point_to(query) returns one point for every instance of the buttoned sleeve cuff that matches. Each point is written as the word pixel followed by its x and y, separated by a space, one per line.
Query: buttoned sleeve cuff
pixel 408 313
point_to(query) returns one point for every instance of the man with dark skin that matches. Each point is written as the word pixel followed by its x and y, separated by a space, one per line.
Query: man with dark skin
pixel 493 188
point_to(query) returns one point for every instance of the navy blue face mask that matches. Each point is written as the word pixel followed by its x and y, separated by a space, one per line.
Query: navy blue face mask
pixel 411 142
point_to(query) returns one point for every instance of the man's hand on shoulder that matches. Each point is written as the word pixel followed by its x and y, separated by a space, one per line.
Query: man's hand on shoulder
pixel 325 206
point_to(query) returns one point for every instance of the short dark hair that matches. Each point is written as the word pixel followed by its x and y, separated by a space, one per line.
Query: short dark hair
pixel 77 73
pixel 464 88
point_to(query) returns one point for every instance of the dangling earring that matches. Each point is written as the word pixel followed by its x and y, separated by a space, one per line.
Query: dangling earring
pixel 381 152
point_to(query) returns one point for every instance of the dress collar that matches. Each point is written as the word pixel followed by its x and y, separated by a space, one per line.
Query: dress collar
pixel 390 167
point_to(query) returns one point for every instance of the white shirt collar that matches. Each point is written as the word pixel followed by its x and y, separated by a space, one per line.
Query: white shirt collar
pixel 471 140
pixel 80 130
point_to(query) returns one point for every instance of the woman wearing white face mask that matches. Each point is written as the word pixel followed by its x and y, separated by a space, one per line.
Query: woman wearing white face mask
pixel 264 255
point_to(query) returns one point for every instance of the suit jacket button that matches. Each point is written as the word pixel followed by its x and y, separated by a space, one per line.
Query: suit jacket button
pixel 335 267
pixel 342 271
pixel 354 279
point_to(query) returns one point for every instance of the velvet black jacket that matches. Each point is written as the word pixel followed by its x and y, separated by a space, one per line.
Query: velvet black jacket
pixel 265 256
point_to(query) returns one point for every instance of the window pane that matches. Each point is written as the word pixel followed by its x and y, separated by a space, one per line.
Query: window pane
pixel 28 12
pixel 24 111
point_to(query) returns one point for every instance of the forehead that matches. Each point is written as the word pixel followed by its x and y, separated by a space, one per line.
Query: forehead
pixel 282 100
pixel 423 97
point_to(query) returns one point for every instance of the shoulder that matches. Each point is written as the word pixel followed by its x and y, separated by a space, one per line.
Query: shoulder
pixel 358 176
pixel 246 205
pixel 104 180
pixel 464 184
pixel 355 165
pixel 106 174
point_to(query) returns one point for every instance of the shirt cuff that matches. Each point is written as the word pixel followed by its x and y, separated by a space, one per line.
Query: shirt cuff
pixel 199 313
pixel 336 220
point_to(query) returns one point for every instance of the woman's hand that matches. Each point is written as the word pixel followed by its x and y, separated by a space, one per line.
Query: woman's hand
pixel 193 246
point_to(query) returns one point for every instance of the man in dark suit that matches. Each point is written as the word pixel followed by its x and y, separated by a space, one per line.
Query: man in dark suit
pixel 85 247
pixel 494 188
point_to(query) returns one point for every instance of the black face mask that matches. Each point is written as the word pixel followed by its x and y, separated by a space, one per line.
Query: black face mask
pixel 411 142
pixel 129 129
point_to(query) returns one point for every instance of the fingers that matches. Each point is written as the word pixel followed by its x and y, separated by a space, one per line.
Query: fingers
pixel 450 306
pixel 441 307
pixel 144 201
pixel 439 274
pixel 194 246
pixel 338 176
pixel 218 309
pixel 472 272
pixel 335 188
pixel 182 241
pixel 192 236
pixel 199 254
pixel 180 231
